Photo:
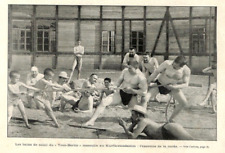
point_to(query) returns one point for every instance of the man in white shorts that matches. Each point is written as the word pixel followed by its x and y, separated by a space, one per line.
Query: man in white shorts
pixel 131 82
pixel 173 76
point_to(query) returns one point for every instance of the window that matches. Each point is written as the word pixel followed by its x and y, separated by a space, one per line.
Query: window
pixel 108 41
pixel 198 39
pixel 137 40
pixel 21 35
pixel 46 37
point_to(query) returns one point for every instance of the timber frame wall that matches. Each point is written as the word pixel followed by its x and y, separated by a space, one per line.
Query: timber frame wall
pixel 167 18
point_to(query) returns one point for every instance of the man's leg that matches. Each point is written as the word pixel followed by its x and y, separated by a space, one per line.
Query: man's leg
pixel 214 101
pixel 204 102
pixel 79 68
pixel 50 113
pixel 180 97
pixel 10 111
pixel 23 113
pixel 178 131
pixel 152 92
pixel 113 99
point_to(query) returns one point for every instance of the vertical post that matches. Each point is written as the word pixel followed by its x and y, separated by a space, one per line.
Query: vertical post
pixel 144 35
pixel 34 38
pixel 78 24
pixel 166 56
pixel 123 34
pixel 115 37
pixel 55 58
pixel 131 34
pixel 10 36
pixel 215 35
pixel 100 55
pixel 190 38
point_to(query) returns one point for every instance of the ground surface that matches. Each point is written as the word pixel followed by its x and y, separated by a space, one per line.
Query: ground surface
pixel 198 121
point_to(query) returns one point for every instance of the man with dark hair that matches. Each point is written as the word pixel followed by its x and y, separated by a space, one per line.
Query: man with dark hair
pixel 131 55
pixel 108 89
pixel 131 82
pixel 172 76
pixel 142 124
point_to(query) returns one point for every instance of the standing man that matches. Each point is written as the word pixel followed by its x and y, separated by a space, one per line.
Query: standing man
pixel 172 77
pixel 78 52
pixel 131 55
pixel 32 79
pixel 149 64
pixel 131 82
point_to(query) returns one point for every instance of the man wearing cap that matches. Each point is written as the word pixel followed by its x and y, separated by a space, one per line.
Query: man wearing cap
pixel 142 124
pixel 65 96
pixel 32 79
pixel 131 83
pixel 131 55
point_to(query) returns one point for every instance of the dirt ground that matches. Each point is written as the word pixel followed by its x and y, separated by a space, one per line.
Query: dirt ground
pixel 198 121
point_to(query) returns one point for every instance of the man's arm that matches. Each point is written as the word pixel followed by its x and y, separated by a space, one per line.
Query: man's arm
pixel 77 51
pixel 185 81
pixel 156 62
pixel 160 69
pixel 207 70
pixel 120 80
pixel 29 87
pixel 142 88
pixel 132 135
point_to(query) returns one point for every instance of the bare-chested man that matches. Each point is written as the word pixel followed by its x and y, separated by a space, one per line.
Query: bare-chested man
pixel 132 82
pixel 142 124
pixel 173 76
pixel 149 64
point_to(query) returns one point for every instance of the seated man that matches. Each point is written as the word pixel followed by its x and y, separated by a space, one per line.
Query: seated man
pixel 107 90
pixel 32 79
pixel 65 96
pixel 88 91
pixel 142 124
pixel 131 82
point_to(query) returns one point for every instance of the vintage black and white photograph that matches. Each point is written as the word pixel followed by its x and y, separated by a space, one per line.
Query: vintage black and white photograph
pixel 112 72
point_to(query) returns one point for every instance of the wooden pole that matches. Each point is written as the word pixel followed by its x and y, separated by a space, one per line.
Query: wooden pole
pixel 34 38
pixel 100 55
pixel 144 35
pixel 175 33
pixel 190 38
pixel 158 36
pixel 123 35
pixel 55 58
pixel 166 56
pixel 10 28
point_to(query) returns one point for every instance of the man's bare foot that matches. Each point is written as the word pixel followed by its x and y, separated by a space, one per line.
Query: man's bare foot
pixel 202 103
pixel 28 126
pixel 57 125
pixel 89 123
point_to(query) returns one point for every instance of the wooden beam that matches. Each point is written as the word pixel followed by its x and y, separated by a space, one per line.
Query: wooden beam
pixel 215 35
pixel 100 55
pixel 166 56
pixel 190 37
pixel 97 53
pixel 158 36
pixel 34 38
pixel 145 31
pixel 78 23
pixel 55 57
pixel 123 35
pixel 175 33
pixel 130 33
pixel 10 27
pixel 115 26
